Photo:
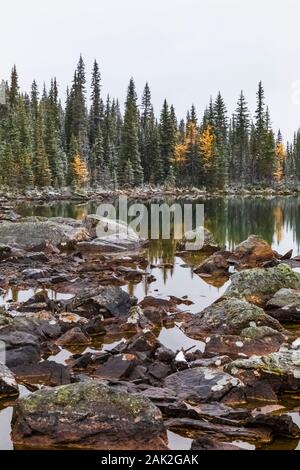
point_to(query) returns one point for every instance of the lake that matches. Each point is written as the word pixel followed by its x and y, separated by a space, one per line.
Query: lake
pixel 231 220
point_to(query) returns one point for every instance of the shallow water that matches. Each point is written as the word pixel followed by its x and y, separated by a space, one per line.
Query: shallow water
pixel 16 295
pixel 231 220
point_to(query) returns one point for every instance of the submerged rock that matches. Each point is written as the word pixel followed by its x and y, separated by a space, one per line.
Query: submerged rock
pixel 259 285
pixel 88 415
pixel 8 383
pixel 228 317
pixel 208 443
pixel 201 384
pixel 34 235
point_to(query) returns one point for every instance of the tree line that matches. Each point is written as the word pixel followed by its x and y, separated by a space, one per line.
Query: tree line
pixel 46 143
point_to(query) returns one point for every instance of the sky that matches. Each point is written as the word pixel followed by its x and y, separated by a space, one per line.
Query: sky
pixel 187 50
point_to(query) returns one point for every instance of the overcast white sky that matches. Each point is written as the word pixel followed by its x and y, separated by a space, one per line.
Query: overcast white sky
pixel 186 49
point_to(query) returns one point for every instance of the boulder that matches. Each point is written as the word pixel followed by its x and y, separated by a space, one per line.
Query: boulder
pixel 281 425
pixel 252 252
pixel 108 300
pixel 229 316
pixel 88 415
pixel 117 367
pixel 8 383
pixel 112 236
pixel 201 384
pixel 259 285
pixel 285 306
pixel 215 265
pixel 73 337
pixel 20 347
pixel 281 370
pixel 37 235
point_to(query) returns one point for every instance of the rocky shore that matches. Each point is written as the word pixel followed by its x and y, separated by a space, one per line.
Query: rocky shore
pixel 130 395
pixel 144 193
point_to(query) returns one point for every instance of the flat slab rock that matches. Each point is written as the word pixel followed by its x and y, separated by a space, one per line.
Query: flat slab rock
pixel 228 317
pixel 46 373
pixel 201 384
pixel 89 415
pixel 8 383
pixel 252 341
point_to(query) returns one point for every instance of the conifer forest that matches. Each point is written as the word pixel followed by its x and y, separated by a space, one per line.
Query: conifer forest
pixel 90 140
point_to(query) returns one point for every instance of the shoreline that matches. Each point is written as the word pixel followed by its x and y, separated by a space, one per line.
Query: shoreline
pixel 143 193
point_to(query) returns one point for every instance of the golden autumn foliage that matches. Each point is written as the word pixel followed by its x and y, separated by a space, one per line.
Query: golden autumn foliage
pixel 80 171
pixel 180 152
pixel 280 160
pixel 206 145
pixel 191 139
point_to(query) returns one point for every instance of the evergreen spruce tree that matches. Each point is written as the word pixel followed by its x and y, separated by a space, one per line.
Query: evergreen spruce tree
pixel 168 136
pixel 240 145
pixel 130 138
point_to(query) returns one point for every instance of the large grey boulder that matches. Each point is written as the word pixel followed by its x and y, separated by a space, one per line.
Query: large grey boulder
pixel 89 415
pixel 259 285
pixel 37 235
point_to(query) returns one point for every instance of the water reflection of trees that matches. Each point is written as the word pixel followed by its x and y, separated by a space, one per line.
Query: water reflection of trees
pixel 230 219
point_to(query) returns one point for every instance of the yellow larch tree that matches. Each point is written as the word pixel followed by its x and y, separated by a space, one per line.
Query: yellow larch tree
pixel 206 145
pixel 280 161
pixel 80 171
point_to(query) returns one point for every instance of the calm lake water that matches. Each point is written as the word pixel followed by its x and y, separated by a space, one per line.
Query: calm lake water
pixel 231 220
